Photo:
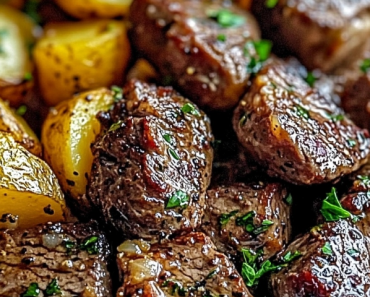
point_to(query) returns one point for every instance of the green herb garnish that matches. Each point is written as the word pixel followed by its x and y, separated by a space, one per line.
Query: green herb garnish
pixel 310 79
pixel 189 108
pixel 28 76
pixel 289 199
pixel 167 138
pixel 352 252
pixel 326 249
pixel 115 126
pixel 351 142
pixel 178 199
pixel 301 111
pixel 262 49
pixel 246 221
pixel 90 245
pixel 225 218
pixel 53 288
pixel 221 37
pixel 173 153
pixel 117 93
pixel 31 9
pixel 271 3
pixel 336 118
pixel 212 273
pixel 263 228
pixel 289 256
pixel 365 66
pixel 225 18
pixel 21 110
pixel 32 291
pixel 331 208
pixel 364 180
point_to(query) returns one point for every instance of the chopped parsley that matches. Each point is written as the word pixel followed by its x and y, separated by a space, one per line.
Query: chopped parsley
pixel 178 199
pixel 225 18
pixel 53 288
pixel 271 3
pixel 262 49
pixel 167 138
pixel 351 142
pixel 115 126
pixel 21 110
pixel 301 111
pixel 221 37
pixel 117 93
pixel 289 256
pixel 247 222
pixel 331 208
pixel 31 9
pixel 28 76
pixel 365 66
pixel 32 291
pixel 326 249
pixel 336 118
pixel 243 119
pixel 310 79
pixel 225 218
pixel 289 199
pixel 212 273
pixel 173 153
pixel 189 108
pixel 364 180
pixel 352 252
pixel 90 245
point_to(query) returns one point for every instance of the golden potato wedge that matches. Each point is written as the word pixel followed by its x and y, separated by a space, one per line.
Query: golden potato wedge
pixel 73 57
pixel 87 9
pixel 17 34
pixel 14 124
pixel 66 135
pixel 29 191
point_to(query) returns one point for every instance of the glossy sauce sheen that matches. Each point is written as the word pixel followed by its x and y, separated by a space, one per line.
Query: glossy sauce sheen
pixel 155 151
pixel 181 41
pixel 295 132
pixel 190 261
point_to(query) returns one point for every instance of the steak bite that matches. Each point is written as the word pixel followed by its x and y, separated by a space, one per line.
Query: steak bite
pixel 152 164
pixel 185 266
pixel 198 45
pixel 54 259
pixel 333 260
pixel 254 216
pixel 295 132
pixel 323 34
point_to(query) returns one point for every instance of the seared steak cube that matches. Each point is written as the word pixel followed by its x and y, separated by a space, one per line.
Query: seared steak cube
pixel 323 34
pixel 185 266
pixel 333 261
pixel 295 132
pixel 199 46
pixel 152 164
pixel 253 216
pixel 54 259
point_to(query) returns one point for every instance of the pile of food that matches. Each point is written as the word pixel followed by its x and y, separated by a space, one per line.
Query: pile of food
pixel 188 148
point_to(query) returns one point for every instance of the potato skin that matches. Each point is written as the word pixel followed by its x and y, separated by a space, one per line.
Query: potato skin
pixel 74 57
pixel 17 33
pixel 67 134
pixel 87 9
pixel 14 124
pixel 29 190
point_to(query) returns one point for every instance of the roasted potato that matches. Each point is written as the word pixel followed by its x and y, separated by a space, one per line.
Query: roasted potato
pixel 14 124
pixel 73 57
pixel 85 9
pixel 29 190
pixel 17 34
pixel 67 133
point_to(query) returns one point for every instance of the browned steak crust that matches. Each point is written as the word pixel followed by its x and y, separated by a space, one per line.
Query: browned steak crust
pixel 185 266
pixel 270 217
pixel 295 132
pixel 322 33
pixel 204 59
pixel 76 255
pixel 157 154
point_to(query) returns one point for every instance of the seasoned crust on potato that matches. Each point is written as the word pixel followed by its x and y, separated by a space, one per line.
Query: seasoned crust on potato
pixel 152 164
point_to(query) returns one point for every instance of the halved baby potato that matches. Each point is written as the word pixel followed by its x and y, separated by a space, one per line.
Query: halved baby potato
pixel 67 134
pixel 14 124
pixel 87 9
pixel 79 56
pixel 29 191
pixel 17 34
